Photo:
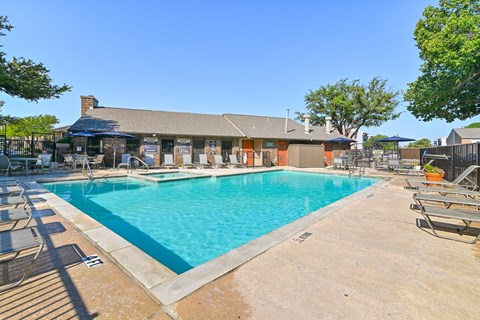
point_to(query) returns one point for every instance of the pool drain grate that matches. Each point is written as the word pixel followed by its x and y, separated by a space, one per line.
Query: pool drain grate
pixel 302 237
pixel 92 261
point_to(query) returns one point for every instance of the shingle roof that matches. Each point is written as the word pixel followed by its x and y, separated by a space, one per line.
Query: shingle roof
pixel 274 128
pixel 468 133
pixel 160 122
pixel 137 121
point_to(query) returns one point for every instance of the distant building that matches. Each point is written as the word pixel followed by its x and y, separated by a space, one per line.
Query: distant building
pixel 463 136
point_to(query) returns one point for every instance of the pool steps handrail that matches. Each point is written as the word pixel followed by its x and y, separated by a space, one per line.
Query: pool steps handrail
pixel 139 160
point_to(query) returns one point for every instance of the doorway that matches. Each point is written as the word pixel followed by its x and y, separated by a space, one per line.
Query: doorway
pixel 198 149
pixel 226 150
pixel 282 153
pixel 247 156
pixel 167 148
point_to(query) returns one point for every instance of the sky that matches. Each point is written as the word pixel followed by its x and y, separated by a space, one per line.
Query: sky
pixel 243 57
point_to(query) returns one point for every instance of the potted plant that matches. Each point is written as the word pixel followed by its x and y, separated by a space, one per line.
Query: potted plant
pixel 433 173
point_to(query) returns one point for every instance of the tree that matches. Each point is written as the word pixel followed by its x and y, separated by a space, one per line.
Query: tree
pixel 372 144
pixel 24 127
pixel 422 143
pixel 473 125
pixel 448 37
pixel 352 105
pixel 24 78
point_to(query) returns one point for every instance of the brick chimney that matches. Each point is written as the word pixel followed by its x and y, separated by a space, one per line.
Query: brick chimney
pixel 88 102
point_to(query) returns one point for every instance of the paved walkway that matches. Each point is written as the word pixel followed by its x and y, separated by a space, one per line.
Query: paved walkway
pixel 369 260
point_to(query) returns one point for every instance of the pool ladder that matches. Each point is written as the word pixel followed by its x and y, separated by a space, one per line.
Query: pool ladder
pixel 86 170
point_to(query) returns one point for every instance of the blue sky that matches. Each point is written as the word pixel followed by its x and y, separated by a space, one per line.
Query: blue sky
pixel 249 57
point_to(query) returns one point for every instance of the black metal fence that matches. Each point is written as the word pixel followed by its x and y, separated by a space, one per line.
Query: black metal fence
pixel 28 148
pixel 458 158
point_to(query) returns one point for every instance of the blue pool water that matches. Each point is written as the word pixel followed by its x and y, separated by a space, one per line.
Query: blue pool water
pixel 185 223
pixel 169 175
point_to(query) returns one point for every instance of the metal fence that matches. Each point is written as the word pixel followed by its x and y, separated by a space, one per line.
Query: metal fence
pixel 459 156
pixel 28 148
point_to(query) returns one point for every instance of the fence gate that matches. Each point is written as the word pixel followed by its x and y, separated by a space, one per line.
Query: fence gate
pixel 31 147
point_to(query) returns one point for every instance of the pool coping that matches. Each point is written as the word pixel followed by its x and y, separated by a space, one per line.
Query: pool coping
pixel 158 280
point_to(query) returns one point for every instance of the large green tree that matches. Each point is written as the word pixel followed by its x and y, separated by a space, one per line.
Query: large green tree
pixel 351 105
pixel 473 125
pixel 421 143
pixel 24 78
pixel 24 127
pixel 372 143
pixel 448 37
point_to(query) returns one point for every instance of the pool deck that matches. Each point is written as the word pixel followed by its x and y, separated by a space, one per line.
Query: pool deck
pixel 366 259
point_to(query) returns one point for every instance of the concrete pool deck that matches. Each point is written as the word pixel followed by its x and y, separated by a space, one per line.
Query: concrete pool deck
pixel 367 259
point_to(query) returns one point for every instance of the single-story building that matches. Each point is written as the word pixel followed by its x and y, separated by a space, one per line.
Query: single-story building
pixel 463 136
pixel 256 140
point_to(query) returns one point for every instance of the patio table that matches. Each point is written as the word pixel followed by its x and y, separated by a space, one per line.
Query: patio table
pixel 27 161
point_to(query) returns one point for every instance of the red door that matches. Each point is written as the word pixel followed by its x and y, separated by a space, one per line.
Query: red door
pixel 282 153
pixel 247 146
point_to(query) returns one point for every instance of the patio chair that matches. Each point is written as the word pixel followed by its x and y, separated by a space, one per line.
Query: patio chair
pixel 234 162
pixel 168 161
pixel 457 183
pixel 219 162
pixel 338 163
pixel 445 191
pixel 69 161
pixel 204 161
pixel 467 216
pixel 16 241
pixel 125 161
pixel 187 161
pixel 6 165
pixel 97 161
pixel 16 215
pixel 43 162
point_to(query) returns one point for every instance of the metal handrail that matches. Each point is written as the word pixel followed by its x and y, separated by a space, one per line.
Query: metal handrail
pixel 138 159
pixel 88 173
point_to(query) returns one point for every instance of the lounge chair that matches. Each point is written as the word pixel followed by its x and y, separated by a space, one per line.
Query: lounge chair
pixel 187 161
pixel 204 161
pixel 97 161
pixel 234 162
pixel 445 191
pixel 219 162
pixel 16 215
pixel 6 165
pixel 13 243
pixel 448 201
pixel 168 161
pixel 463 177
pixel 11 190
pixel 13 201
pixel 467 216
pixel 69 161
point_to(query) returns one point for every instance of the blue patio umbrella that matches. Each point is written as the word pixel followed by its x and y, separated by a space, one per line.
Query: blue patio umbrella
pixel 85 133
pixel 395 139
pixel 115 135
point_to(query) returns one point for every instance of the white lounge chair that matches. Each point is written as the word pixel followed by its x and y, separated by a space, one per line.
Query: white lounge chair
pixel 462 181
pixel 168 161
pixel 219 162
pixel 69 161
pixel 187 161
pixel 204 161
pixel 234 162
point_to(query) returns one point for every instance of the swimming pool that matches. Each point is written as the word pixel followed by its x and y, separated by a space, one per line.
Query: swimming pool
pixel 183 224
pixel 170 175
